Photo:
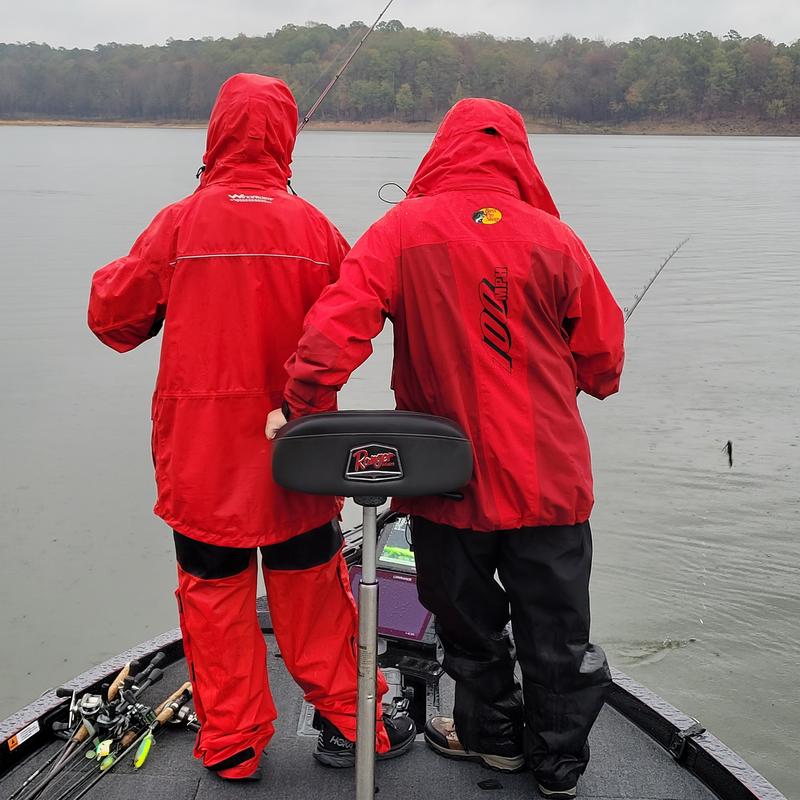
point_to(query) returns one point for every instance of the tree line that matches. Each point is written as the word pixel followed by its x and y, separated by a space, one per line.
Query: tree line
pixel 407 74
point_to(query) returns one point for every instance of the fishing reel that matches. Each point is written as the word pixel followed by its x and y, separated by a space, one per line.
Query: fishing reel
pixel 184 717
pixel 90 706
pixel 110 722
pixel 85 708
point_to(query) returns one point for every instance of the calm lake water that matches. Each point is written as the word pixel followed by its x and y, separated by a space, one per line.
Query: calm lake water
pixel 695 589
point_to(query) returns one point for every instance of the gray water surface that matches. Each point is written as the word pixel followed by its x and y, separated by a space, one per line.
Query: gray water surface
pixel 695 589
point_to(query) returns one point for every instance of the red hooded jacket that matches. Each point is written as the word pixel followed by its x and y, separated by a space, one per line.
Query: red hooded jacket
pixel 499 315
pixel 230 271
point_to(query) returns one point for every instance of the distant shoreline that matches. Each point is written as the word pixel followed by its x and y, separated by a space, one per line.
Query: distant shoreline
pixel 728 127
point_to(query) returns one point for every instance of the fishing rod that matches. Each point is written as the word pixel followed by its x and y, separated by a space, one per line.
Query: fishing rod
pixel 95 722
pixel 143 742
pixel 138 732
pixel 637 298
pixel 89 707
pixel 311 111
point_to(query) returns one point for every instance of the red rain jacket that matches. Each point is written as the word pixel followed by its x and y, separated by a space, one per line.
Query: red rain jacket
pixel 499 315
pixel 231 271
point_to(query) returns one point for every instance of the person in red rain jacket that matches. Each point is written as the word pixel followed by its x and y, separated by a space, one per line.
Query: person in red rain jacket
pixel 230 272
pixel 499 316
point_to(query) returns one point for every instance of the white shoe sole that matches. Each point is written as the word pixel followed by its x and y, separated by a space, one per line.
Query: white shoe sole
pixel 499 763
pixel 557 793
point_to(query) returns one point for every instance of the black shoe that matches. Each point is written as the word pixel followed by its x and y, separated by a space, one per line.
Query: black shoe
pixel 335 750
pixel 401 731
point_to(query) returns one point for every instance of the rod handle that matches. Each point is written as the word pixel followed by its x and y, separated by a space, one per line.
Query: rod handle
pixel 167 710
pixel 113 690
pixel 187 687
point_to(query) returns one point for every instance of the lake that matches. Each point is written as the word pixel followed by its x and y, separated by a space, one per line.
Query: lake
pixel 695 587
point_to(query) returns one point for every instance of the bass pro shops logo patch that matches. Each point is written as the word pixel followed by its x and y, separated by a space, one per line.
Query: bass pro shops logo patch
pixel 373 463
pixel 487 216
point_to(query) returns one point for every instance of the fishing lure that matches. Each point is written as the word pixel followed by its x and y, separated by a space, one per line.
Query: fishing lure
pixel 143 750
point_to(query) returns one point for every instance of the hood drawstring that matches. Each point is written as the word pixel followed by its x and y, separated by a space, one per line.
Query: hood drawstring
pixel 291 188
pixel 200 171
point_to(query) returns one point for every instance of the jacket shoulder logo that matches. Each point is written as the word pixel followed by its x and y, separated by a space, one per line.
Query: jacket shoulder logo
pixel 249 198
pixel 373 462
pixel 487 216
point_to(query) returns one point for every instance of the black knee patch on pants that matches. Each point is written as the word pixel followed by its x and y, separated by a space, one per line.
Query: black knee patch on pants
pixel 209 561
pixel 307 550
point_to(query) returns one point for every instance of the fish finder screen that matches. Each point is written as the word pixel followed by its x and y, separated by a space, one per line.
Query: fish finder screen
pixel 397 552
pixel 400 614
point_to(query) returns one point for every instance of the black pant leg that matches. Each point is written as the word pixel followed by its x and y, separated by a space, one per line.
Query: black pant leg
pixel 306 550
pixel 546 572
pixel 210 561
pixel 455 580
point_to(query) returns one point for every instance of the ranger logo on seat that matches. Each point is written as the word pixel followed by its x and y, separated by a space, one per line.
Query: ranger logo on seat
pixel 373 462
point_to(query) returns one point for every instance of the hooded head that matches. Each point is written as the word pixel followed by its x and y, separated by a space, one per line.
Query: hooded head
pixel 482 144
pixel 252 130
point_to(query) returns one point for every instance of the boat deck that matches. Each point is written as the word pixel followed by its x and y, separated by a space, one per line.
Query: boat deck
pixel 626 764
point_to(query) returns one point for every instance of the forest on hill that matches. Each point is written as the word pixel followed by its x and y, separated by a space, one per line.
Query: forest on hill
pixel 405 74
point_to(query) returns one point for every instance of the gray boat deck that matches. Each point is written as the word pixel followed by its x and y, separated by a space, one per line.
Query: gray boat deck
pixel 626 765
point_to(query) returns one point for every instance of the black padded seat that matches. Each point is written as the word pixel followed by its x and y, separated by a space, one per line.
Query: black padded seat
pixel 357 453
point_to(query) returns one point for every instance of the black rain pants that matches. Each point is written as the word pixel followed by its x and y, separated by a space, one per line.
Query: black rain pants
pixel 544 573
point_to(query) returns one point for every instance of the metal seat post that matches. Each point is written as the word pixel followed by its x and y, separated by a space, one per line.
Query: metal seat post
pixel 367 651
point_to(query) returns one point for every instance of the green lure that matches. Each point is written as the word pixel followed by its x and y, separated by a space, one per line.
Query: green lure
pixel 143 750
pixel 107 763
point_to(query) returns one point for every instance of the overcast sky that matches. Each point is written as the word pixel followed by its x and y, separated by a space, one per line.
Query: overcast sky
pixel 84 23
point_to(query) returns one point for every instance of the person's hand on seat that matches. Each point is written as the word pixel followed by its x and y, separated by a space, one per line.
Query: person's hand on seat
pixel 275 421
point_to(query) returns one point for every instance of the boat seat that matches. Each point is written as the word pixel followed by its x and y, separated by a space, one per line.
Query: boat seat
pixel 367 453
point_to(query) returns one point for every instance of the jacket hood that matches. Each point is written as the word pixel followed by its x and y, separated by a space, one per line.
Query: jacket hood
pixel 482 144
pixel 252 130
